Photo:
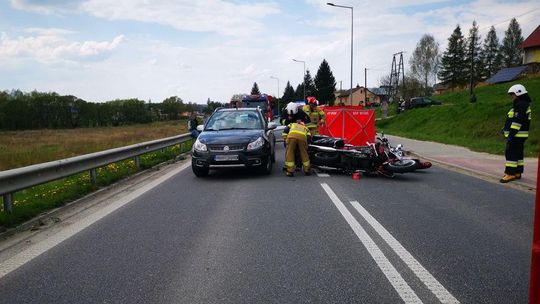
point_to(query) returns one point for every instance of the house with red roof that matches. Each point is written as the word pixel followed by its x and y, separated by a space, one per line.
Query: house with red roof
pixel 531 47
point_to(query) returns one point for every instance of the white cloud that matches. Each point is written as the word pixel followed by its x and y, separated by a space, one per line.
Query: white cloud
pixel 46 7
pixel 49 46
pixel 197 16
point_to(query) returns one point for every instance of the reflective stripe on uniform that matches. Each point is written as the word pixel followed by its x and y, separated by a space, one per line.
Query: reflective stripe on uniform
pixel 289 164
pixel 520 162
pixel 511 113
pixel 511 164
pixel 516 125
pixel 298 129
pixel 522 134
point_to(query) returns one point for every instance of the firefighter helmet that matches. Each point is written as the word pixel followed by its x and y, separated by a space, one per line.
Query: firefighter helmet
pixel 292 108
pixel 517 89
pixel 312 100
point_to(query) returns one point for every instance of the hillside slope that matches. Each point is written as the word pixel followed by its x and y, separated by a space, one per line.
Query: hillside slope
pixel 473 125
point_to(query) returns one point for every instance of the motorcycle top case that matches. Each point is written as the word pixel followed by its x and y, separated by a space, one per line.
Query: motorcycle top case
pixel 352 123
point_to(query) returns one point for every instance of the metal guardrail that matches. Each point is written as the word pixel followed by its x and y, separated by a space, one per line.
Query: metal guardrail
pixel 26 177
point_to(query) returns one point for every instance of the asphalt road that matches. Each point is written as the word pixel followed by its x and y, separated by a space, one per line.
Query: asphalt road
pixel 237 237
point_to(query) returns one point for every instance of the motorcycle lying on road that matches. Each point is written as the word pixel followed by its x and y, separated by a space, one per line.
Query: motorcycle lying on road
pixel 378 158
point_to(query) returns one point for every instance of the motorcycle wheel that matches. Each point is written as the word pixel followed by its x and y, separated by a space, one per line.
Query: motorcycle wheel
pixel 401 166
pixel 326 158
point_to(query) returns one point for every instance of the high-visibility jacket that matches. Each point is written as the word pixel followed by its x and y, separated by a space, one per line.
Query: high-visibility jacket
pixel 518 119
pixel 297 131
pixel 315 116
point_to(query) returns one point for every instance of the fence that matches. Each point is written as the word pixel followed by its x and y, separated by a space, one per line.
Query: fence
pixel 21 178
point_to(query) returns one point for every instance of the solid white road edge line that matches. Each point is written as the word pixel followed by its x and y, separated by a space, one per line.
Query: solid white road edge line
pixel 403 289
pixel 431 283
pixel 34 251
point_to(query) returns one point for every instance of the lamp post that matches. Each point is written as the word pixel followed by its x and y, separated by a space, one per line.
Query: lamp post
pixel 279 109
pixel 352 22
pixel 304 77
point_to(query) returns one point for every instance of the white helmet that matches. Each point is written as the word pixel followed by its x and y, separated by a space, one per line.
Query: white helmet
pixel 517 89
pixel 292 108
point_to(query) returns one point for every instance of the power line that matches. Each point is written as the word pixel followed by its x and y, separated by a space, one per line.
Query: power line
pixel 526 13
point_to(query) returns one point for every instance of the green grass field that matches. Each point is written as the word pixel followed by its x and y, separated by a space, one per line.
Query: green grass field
pixel 473 125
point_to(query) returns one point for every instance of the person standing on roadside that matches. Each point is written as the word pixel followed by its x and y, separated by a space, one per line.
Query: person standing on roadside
pixel 516 131
pixel 193 122
pixel 384 108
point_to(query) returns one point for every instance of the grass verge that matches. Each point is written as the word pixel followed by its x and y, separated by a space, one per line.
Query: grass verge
pixel 473 125
pixel 33 201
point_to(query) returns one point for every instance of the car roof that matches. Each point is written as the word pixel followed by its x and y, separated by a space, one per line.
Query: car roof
pixel 239 109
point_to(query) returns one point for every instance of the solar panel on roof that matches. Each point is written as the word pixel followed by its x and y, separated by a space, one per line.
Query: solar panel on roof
pixel 507 74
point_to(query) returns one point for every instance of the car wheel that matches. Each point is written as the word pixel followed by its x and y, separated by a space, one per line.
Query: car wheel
pixel 200 171
pixel 266 166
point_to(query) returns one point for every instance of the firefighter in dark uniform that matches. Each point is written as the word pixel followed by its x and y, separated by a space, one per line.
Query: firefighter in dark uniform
pixel 296 136
pixel 516 130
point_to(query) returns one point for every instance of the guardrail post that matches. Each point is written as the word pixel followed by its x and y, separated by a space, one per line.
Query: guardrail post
pixel 8 204
pixel 182 145
pixel 138 162
pixel 93 176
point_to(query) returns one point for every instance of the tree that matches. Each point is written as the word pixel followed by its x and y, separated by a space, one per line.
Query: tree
pixel 325 84
pixel 288 94
pixel 452 61
pixel 512 55
pixel 172 106
pixel 255 89
pixel 425 59
pixel 473 62
pixel 310 85
pixel 490 56
pixel 299 92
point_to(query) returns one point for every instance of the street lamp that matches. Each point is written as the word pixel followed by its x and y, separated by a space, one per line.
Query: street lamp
pixel 303 78
pixel 352 22
pixel 277 84
pixel 279 109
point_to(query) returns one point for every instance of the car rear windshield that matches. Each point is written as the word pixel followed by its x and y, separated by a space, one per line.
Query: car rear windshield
pixel 229 120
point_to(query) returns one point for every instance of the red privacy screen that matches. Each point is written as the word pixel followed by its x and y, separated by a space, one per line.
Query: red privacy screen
pixel 354 124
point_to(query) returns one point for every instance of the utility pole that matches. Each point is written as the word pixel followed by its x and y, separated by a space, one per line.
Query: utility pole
pixel 397 70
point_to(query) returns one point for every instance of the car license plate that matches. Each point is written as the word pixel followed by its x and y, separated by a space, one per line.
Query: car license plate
pixel 229 157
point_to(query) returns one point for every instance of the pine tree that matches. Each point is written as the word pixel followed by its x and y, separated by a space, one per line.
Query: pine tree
pixel 511 54
pixel 452 61
pixel 310 85
pixel 491 58
pixel 299 92
pixel 288 94
pixel 255 89
pixel 325 84
pixel 473 49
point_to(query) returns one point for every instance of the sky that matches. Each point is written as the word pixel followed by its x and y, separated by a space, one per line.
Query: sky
pixel 101 50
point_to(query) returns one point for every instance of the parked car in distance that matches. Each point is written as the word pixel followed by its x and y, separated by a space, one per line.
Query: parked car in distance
pixel 416 102
pixel 234 137
pixel 419 102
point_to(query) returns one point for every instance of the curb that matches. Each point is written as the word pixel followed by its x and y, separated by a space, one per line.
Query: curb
pixel 482 175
